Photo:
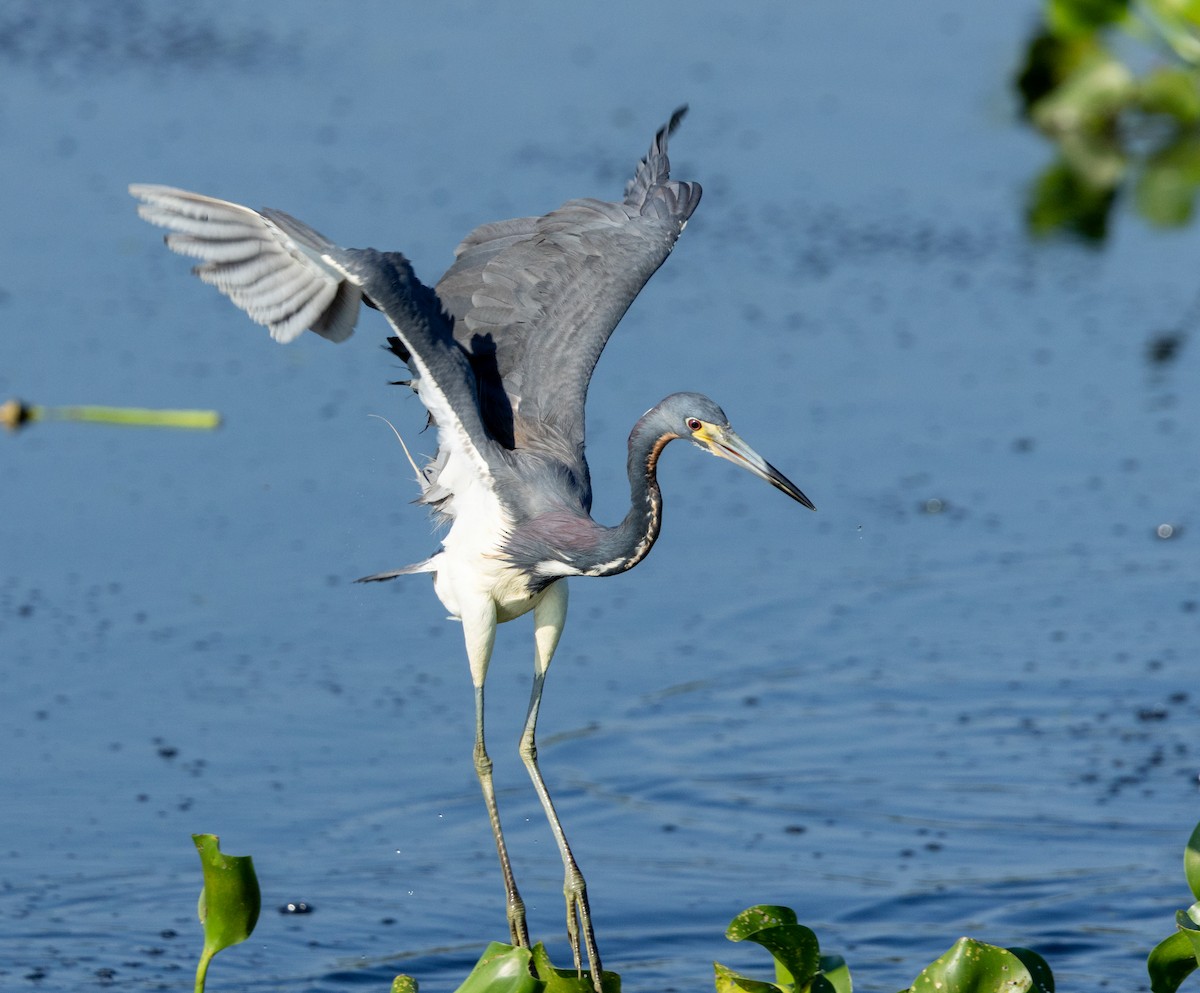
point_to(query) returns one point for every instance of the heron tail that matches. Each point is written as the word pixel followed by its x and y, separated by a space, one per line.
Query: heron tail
pixel 408 570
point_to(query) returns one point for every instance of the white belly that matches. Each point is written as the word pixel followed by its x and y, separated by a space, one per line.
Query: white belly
pixel 469 567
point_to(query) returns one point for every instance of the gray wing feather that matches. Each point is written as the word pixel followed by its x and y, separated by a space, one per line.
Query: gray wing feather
pixel 441 370
pixel 541 296
pixel 504 350
pixel 269 264
pixel 289 277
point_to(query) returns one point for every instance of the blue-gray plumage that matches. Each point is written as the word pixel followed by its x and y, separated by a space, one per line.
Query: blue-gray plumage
pixel 501 352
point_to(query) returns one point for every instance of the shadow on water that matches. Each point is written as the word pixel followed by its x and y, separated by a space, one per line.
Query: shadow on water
pixel 958 700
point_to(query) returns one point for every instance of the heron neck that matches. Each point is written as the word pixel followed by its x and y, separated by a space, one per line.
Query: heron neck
pixel 631 540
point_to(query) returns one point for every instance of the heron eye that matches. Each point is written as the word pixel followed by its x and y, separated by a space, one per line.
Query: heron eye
pixel 693 424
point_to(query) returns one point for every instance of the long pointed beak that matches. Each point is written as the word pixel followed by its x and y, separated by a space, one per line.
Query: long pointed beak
pixel 725 443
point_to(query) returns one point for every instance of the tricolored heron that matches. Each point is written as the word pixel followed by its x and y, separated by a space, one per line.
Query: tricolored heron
pixel 501 352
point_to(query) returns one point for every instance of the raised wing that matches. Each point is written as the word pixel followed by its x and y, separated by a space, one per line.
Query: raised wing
pixel 289 277
pixel 536 300
pixel 269 264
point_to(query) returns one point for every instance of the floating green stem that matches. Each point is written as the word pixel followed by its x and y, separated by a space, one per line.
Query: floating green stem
pixel 16 414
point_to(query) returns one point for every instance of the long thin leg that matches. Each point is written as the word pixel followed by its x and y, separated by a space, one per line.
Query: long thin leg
pixel 479 629
pixel 549 617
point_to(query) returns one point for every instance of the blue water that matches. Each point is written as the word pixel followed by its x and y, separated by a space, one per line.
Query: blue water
pixel 958 700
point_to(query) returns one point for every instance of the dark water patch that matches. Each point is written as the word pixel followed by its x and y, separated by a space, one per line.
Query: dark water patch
pixel 81 38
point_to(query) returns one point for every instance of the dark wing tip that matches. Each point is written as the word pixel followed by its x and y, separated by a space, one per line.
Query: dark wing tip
pixel 673 123
pixel 662 134
pixel 655 168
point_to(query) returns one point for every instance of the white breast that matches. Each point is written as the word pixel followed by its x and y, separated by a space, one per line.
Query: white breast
pixel 470 566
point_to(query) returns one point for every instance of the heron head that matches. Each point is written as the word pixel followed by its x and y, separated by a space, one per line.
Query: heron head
pixel 701 421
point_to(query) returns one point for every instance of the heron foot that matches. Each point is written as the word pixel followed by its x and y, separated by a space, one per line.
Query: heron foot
pixel 579 924
pixel 517 928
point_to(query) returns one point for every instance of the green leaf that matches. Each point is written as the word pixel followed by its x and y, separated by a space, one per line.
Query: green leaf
pixel 1170 963
pixel 1186 921
pixel 1178 24
pixel 1049 61
pixel 1089 99
pixel 835 976
pixel 1166 190
pixel 1063 201
pixel 1191 862
pixel 1037 967
pixel 1071 17
pixel 1171 91
pixel 502 969
pixel 973 967
pixel 794 947
pixel 404 984
pixel 229 902
pixel 1187 11
pixel 728 981
pixel 756 918
pixel 569 980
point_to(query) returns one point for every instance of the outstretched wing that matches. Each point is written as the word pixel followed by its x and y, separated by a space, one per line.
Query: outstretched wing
pixel 289 277
pixel 536 300
pixel 269 264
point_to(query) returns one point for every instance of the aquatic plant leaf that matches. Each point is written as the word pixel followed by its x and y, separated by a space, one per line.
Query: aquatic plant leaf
pixel 794 947
pixel 1191 862
pixel 229 901
pixel 502 969
pixel 1038 968
pixel 404 984
pixel 1089 99
pixel 1188 922
pixel 1166 190
pixel 971 966
pixel 1171 91
pixel 728 981
pixel 1050 60
pixel 835 976
pixel 1070 17
pixel 1062 201
pixel 1170 963
pixel 1177 22
pixel 1187 11
pixel 569 980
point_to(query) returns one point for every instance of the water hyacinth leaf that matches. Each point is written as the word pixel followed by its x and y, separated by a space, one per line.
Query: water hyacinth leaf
pixel 1187 922
pixel 1170 91
pixel 835 976
pixel 1049 61
pixel 229 901
pixel 728 981
pixel 757 918
pixel 1191 862
pixel 1167 188
pixel 974 967
pixel 1037 967
pixel 794 947
pixel 1170 963
pixel 1178 24
pixel 1070 17
pixel 569 980
pixel 1063 201
pixel 502 969
pixel 1088 100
